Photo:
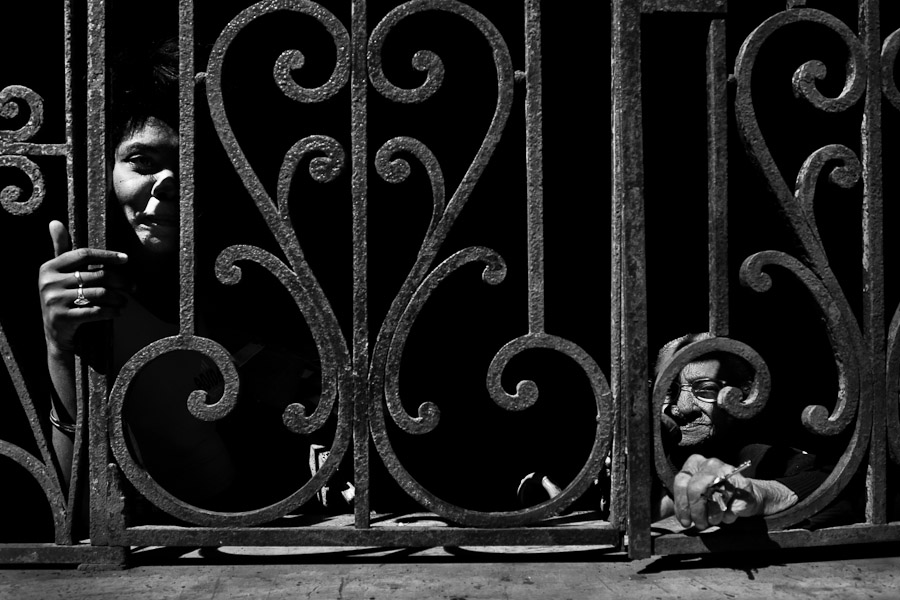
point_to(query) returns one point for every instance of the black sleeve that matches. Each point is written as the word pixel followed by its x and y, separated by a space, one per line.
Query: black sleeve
pixel 799 471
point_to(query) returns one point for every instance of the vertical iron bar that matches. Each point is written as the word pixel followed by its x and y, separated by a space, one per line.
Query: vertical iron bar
pixel 630 356
pixel 186 163
pixel 873 261
pixel 717 157
pixel 72 502
pixel 618 509
pixel 534 157
pixel 74 228
pixel 96 207
pixel 358 84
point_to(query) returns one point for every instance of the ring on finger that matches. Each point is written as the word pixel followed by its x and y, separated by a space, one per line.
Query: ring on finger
pixel 80 300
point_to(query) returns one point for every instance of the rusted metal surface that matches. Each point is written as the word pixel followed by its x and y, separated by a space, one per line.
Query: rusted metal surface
pixel 722 541
pixel 688 6
pixel 361 358
pixel 892 382
pixel 630 370
pixel 717 172
pixel 873 260
pixel 359 340
pixel 298 280
pixel 16 152
pixel 16 148
pixel 421 283
pixel 186 144
pixel 852 358
pixel 858 344
pixel 93 386
pixel 362 386
pixel 432 532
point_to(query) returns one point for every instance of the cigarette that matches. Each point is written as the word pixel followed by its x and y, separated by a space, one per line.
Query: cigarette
pixel 740 468
pixel 718 481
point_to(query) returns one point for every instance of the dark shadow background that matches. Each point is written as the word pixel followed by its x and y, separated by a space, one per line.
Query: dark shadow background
pixel 479 452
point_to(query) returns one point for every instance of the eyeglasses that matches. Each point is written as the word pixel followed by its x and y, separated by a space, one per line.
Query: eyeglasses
pixel 704 389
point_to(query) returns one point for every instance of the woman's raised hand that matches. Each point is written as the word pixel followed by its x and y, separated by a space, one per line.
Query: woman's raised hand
pixel 78 286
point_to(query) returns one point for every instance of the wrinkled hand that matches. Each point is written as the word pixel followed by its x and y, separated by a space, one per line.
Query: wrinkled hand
pixel 697 504
pixel 104 286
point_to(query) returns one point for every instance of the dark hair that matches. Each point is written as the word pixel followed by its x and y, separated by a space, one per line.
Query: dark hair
pixel 143 84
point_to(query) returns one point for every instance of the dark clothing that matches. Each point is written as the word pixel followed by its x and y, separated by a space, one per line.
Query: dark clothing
pixel 797 470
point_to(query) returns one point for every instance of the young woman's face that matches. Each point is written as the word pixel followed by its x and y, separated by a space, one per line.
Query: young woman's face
pixel 145 182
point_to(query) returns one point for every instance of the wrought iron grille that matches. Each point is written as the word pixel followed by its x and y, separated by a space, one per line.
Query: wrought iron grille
pixel 381 293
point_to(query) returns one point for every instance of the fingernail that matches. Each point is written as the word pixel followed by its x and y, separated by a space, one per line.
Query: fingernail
pixel 122 256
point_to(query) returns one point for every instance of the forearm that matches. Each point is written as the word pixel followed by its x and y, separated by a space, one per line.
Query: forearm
pixel 772 496
pixel 61 367
pixel 63 282
pixel 708 492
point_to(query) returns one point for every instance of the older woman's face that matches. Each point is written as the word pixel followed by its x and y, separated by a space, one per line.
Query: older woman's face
pixel 698 421
pixel 145 182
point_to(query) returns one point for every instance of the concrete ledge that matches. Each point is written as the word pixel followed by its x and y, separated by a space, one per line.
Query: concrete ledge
pixel 86 556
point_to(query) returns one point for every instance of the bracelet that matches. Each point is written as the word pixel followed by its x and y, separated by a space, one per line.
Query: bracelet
pixel 68 428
